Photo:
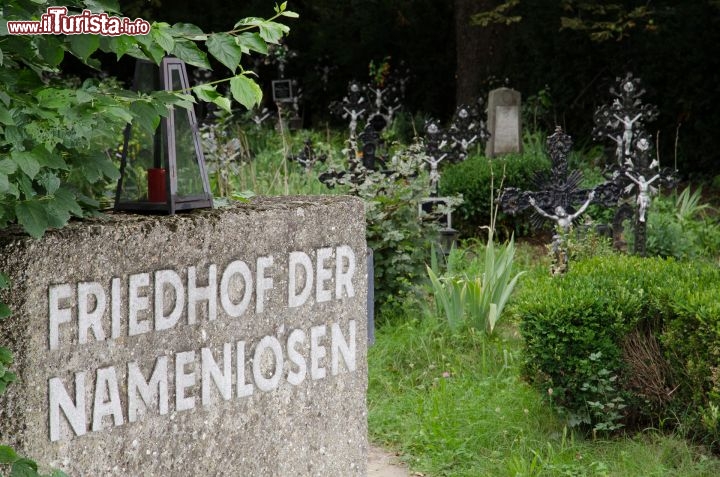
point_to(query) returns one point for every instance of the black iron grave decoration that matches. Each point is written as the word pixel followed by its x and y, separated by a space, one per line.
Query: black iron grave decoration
pixel 163 171
pixel 559 197
pixel 635 176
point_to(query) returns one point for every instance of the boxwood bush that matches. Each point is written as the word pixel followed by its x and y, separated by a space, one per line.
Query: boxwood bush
pixel 471 178
pixel 622 341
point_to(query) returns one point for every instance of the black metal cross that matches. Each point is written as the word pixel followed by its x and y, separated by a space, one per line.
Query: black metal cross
pixel 559 197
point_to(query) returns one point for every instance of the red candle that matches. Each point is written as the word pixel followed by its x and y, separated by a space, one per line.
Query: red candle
pixel 156 185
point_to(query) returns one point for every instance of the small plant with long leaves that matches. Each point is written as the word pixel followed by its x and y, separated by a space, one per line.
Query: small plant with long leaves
pixel 477 300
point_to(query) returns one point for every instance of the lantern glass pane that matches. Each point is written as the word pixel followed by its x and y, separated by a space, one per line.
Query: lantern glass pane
pixel 189 176
pixel 144 150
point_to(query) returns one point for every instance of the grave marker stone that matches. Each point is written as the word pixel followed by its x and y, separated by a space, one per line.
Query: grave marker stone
pixel 504 122
pixel 222 342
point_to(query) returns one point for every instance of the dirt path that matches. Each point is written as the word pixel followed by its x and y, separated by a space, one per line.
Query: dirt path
pixel 382 463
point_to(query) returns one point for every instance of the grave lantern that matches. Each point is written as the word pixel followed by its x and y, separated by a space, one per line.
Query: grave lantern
pixel 163 172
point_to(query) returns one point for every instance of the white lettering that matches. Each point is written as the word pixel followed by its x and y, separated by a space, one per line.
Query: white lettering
pixel 73 411
pixel 142 393
pixel 317 352
pixel 138 303
pixel 339 346
pixel 197 294
pixel 107 398
pixel 243 388
pixel 58 315
pixel 184 380
pixel 263 383
pixel 171 278
pixel 343 279
pixel 303 260
pixel 235 310
pixel 296 377
pixel 210 370
pixel 115 308
pixel 323 275
pixel 263 283
pixel 90 319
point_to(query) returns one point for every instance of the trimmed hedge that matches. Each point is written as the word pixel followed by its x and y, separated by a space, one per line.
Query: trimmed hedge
pixel 471 178
pixel 626 341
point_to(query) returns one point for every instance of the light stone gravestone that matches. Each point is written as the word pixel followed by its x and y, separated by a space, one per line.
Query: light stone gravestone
pixel 222 342
pixel 503 122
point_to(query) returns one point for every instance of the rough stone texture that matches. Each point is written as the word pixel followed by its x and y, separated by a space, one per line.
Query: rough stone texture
pixel 503 122
pixel 318 427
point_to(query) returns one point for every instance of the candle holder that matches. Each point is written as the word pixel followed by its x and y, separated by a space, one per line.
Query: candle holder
pixel 163 172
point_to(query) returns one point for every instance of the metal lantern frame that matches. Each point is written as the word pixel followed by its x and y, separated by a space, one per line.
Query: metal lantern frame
pixel 165 154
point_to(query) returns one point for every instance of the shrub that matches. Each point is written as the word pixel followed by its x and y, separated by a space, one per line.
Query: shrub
pixel 622 340
pixel 399 239
pixel 472 179
pixel 678 226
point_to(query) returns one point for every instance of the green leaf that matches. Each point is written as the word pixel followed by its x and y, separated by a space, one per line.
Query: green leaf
pixel 120 113
pixel 33 216
pixel 272 32
pixel 7 455
pixel 64 200
pixel 27 162
pixel 223 47
pixel 162 35
pixel 7 166
pixel 245 91
pixel 250 21
pixel 188 52
pixel 145 115
pixel 189 31
pixel 24 468
pixel 120 45
pixel 289 14
pixel 50 49
pixel 150 48
pixel 206 92
pixel 83 96
pixel 4 185
pixel 49 159
pixel 4 281
pixel 4 311
pixel 5 117
pixel 5 355
pixel 84 45
pixel 252 41
pixel 49 181
pixel 223 103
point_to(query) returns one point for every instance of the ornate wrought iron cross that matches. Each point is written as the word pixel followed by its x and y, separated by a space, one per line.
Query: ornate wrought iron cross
pixel 634 175
pixel 466 129
pixel 559 197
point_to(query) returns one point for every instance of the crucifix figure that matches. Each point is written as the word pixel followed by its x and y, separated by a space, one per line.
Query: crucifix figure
pixel 628 132
pixel 563 220
pixel 559 192
pixel 563 224
pixel 644 191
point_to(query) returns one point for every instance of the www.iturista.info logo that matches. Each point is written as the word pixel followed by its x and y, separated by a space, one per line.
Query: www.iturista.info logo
pixel 57 22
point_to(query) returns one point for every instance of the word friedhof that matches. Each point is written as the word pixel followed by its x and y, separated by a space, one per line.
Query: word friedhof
pixel 160 301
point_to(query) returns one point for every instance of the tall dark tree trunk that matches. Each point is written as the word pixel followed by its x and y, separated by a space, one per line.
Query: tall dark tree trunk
pixel 477 49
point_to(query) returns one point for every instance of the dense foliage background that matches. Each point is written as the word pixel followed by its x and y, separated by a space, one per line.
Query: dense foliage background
pixel 562 55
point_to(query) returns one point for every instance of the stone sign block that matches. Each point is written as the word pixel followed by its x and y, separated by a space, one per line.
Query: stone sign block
pixel 221 342
pixel 503 122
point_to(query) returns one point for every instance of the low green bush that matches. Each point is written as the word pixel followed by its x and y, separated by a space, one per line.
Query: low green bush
pixel 472 179
pixel 625 341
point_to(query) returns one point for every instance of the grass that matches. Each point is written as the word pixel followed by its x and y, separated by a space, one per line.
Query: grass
pixel 454 404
